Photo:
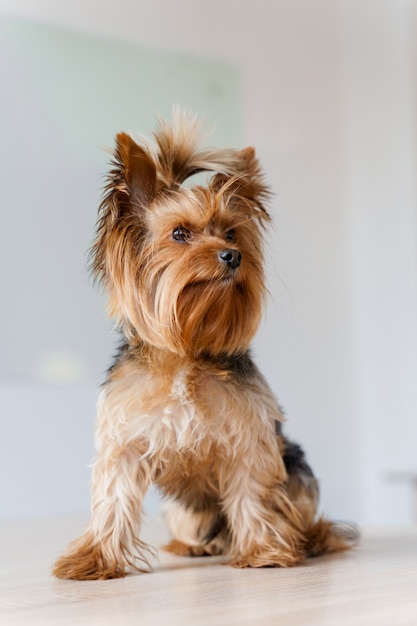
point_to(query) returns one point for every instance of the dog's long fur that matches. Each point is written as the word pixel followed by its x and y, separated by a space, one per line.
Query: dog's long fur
pixel 184 406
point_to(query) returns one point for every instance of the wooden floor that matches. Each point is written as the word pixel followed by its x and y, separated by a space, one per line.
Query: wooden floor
pixel 376 584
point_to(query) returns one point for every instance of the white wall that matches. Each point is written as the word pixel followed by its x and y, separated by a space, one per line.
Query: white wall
pixel 382 201
pixel 328 99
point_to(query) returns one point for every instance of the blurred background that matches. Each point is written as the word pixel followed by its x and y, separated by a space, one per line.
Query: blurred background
pixel 327 93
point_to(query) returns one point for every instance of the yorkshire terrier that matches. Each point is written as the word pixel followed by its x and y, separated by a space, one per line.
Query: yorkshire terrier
pixel 184 406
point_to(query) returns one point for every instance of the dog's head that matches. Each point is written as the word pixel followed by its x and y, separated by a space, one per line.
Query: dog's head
pixel 182 264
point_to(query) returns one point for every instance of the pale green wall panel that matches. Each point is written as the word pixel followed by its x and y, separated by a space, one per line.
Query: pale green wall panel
pixel 89 88
pixel 64 95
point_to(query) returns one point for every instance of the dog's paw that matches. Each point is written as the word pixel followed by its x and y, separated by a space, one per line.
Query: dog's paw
pixel 183 549
pixel 269 557
pixel 85 561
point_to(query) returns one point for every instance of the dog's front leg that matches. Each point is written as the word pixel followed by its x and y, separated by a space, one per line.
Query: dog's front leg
pixel 110 545
pixel 263 523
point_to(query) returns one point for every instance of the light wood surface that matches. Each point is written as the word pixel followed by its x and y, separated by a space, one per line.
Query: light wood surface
pixel 376 584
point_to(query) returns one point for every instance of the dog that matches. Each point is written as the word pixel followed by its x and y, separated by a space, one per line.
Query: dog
pixel 184 406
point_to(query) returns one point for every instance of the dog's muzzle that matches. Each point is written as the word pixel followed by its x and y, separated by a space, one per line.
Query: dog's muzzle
pixel 231 258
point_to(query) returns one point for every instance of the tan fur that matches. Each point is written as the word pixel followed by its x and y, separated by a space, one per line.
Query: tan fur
pixel 184 406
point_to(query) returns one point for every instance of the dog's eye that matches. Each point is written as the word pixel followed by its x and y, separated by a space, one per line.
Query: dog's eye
pixel 230 235
pixel 180 234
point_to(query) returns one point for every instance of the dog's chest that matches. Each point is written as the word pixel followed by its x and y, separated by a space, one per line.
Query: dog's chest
pixel 180 392
pixel 189 411
pixel 183 415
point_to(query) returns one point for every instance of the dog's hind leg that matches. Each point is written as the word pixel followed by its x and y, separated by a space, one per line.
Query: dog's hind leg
pixel 195 533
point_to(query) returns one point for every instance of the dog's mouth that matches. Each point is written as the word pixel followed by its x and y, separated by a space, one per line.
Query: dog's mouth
pixel 231 281
pixel 228 278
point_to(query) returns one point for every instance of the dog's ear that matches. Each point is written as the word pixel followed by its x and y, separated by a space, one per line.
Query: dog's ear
pixel 138 171
pixel 247 182
pixel 252 183
pixel 131 187
pixel 248 156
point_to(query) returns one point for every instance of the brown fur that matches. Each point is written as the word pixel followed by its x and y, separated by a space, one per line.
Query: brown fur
pixel 184 406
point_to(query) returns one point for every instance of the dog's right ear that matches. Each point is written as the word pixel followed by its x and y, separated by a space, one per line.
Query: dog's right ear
pixel 130 188
pixel 137 170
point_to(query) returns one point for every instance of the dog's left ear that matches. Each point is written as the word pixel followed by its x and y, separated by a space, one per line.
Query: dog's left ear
pixel 252 183
pixel 248 156
pixel 246 182
pixel 138 171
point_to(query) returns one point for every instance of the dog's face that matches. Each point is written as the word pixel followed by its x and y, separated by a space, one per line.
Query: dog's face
pixel 183 264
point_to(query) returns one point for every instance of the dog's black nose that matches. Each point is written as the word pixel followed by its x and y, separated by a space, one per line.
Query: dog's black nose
pixel 232 258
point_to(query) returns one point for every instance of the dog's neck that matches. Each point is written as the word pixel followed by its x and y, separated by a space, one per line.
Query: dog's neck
pixel 168 363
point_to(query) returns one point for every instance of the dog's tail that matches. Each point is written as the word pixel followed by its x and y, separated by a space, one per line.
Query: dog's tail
pixel 321 535
pixel 179 153
pixel 325 537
